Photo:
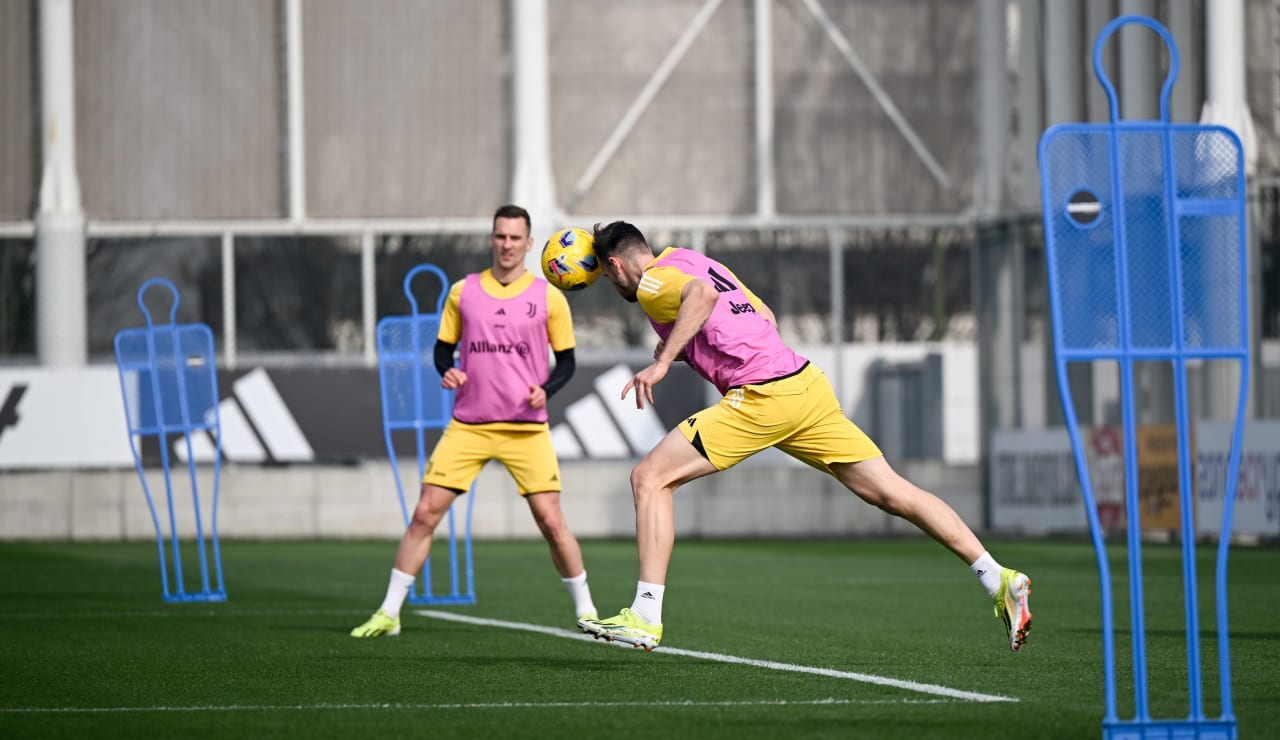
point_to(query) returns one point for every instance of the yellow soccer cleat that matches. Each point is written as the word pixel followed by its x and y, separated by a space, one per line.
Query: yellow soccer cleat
pixel 379 624
pixel 1012 607
pixel 627 628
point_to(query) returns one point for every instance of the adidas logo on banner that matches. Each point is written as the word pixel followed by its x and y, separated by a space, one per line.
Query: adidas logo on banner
pixel 256 425
pixel 607 426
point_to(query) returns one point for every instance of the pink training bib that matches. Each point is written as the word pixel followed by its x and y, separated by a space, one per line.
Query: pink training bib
pixel 504 351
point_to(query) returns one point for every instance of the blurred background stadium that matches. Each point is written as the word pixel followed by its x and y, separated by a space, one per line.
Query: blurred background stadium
pixel 868 167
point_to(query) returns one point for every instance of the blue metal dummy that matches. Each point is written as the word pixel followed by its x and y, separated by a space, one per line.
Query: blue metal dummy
pixel 413 400
pixel 169 383
pixel 1145 247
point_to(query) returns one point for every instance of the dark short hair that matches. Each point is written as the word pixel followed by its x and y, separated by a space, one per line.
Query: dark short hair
pixel 511 210
pixel 618 236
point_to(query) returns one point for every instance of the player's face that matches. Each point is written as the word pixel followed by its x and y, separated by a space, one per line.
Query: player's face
pixel 510 242
pixel 619 272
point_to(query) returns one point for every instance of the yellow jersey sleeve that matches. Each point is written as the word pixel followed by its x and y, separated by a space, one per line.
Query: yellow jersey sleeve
pixel 659 292
pixel 451 317
pixel 559 320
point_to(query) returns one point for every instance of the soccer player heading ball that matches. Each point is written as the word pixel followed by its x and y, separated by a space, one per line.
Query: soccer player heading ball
pixel 773 397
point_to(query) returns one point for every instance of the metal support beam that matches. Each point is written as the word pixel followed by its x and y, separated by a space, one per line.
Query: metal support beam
pixel 993 107
pixel 61 313
pixel 1097 14
pixel 533 184
pixel 1227 105
pixel 368 299
pixel 766 198
pixel 1066 52
pixel 835 243
pixel 228 300
pixel 1030 105
pixel 297 127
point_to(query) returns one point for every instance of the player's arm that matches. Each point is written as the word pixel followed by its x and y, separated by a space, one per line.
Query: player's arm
pixel 442 355
pixel 697 301
pixel 562 372
pixel 447 339
pixel 657 351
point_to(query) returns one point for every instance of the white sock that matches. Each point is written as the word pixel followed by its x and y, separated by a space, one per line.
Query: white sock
pixel 397 591
pixel 648 603
pixel 988 572
pixel 581 593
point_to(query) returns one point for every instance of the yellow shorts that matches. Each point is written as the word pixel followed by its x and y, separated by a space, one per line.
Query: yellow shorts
pixel 463 450
pixel 798 414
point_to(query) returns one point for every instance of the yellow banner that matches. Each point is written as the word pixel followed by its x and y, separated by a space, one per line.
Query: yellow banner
pixel 1159 501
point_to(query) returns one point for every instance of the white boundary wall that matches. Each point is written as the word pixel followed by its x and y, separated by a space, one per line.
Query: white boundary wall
pixel 768 496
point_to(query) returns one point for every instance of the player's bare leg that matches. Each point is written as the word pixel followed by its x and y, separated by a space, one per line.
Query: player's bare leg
pixel 669 465
pixel 672 463
pixel 875 482
pixel 566 553
pixel 415 546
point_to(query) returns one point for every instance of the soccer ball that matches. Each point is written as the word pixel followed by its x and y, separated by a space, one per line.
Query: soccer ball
pixel 569 259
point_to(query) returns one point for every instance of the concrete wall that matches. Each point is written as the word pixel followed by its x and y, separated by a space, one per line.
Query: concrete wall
pixel 767 496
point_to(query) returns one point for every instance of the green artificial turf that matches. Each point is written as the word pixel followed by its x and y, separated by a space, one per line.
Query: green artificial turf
pixel 89 649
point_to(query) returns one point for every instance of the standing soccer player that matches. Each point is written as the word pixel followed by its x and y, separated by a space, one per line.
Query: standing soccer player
pixel 773 397
pixel 501 321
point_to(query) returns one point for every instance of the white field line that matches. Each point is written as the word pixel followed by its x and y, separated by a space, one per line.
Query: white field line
pixel 554 631
pixel 476 705
pixel 923 688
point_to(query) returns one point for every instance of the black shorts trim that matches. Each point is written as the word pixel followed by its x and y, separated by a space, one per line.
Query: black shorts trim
pixel 502 421
pixel 697 445
pixel 791 374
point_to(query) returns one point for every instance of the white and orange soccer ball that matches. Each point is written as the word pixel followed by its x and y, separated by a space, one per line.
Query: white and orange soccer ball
pixel 569 259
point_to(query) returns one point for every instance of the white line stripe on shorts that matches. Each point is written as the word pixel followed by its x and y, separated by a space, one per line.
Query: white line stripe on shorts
pixel 923 688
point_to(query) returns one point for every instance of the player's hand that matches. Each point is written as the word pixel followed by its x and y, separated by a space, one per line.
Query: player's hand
pixel 537 397
pixel 453 378
pixel 644 381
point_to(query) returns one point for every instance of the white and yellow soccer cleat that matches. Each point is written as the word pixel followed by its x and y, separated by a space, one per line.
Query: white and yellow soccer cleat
pixel 379 624
pixel 1012 607
pixel 627 628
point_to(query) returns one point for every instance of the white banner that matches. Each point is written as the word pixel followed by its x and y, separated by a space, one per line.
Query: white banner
pixel 1257 507
pixel 1033 482
pixel 53 418
pixel 1035 489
